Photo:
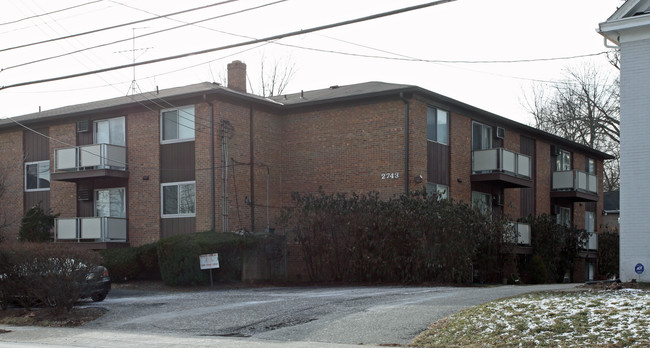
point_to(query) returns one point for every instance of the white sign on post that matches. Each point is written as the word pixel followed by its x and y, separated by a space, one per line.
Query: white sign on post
pixel 209 261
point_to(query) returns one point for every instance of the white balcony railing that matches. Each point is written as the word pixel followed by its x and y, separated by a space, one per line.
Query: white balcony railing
pixel 523 233
pixel 94 156
pixel 575 180
pixel 95 229
pixel 502 161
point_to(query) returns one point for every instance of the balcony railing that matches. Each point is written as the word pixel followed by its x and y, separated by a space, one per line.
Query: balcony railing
pixel 523 233
pixel 90 229
pixel 575 180
pixel 87 157
pixel 500 160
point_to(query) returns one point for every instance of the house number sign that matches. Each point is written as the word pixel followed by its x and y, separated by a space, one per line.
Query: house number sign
pixel 389 176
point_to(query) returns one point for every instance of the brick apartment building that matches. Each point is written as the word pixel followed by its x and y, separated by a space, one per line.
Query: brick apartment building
pixel 134 169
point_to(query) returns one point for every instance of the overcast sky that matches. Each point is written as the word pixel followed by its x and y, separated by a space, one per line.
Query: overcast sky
pixel 461 42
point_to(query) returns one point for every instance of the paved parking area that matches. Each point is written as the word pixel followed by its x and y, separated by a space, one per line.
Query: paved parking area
pixel 282 316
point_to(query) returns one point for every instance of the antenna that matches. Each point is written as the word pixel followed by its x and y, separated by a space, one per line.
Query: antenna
pixel 134 88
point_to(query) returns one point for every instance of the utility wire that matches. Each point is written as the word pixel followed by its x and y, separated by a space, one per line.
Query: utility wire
pixel 139 36
pixel 49 13
pixel 246 43
pixel 115 26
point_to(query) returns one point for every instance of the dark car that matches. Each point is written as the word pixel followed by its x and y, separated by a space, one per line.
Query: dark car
pixel 97 284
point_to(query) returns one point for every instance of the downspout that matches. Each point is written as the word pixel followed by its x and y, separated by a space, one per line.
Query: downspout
pixel 212 168
pixel 406 142
pixel 252 164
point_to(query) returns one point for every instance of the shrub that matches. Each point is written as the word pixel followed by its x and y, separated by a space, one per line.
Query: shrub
pixel 608 253
pixel 178 257
pixel 51 274
pixel 537 270
pixel 36 225
pixel 122 263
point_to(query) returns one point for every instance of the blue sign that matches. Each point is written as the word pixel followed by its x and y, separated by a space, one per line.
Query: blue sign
pixel 638 268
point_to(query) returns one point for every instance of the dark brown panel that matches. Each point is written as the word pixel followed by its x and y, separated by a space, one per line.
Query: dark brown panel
pixel 174 226
pixel 36 147
pixel 527 205
pixel 34 197
pixel 437 163
pixel 177 162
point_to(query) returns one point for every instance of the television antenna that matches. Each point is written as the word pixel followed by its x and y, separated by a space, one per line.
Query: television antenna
pixel 134 87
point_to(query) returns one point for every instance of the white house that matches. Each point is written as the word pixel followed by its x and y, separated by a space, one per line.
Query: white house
pixel 629 29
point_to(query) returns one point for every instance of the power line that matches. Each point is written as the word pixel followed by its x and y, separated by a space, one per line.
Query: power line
pixel 139 36
pixel 246 43
pixel 49 13
pixel 115 26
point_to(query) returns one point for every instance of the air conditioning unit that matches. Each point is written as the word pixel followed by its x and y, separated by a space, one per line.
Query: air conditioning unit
pixel 500 132
pixel 83 126
pixel 83 195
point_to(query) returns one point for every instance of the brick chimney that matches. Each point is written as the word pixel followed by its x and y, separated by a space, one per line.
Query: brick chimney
pixel 237 76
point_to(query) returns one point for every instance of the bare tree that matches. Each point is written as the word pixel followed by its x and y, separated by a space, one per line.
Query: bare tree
pixel 584 108
pixel 274 76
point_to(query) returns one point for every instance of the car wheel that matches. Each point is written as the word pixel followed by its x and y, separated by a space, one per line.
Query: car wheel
pixel 98 297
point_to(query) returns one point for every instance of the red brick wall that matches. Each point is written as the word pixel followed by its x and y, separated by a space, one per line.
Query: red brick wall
pixel 143 195
pixel 63 195
pixel 461 157
pixel 542 178
pixel 512 196
pixel 12 176
pixel 345 149
pixel 418 143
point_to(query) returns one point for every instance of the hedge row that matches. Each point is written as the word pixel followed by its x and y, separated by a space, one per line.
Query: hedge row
pixel 175 259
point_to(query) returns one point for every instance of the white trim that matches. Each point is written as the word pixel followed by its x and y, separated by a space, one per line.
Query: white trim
pixel 162 206
pixel 177 140
pixel 25 176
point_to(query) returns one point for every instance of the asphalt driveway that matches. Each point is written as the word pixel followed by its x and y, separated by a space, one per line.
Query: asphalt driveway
pixel 283 316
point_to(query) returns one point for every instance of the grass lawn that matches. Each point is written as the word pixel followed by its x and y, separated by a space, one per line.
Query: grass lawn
pixel 615 318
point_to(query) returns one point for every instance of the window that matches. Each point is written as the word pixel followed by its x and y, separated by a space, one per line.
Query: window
pixel 590 166
pixel 37 176
pixel 564 216
pixel 563 161
pixel 110 131
pixel 441 190
pixel 438 125
pixel 177 124
pixel 482 202
pixel 110 202
pixel 481 137
pixel 590 221
pixel 179 199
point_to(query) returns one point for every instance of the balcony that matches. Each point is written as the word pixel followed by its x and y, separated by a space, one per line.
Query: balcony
pixel 89 161
pixel 90 229
pixel 575 185
pixel 508 168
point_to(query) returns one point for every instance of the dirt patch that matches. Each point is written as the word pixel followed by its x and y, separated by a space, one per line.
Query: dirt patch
pixel 45 317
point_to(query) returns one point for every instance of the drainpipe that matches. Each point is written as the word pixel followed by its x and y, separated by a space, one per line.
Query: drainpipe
pixel 212 167
pixel 406 142
pixel 252 165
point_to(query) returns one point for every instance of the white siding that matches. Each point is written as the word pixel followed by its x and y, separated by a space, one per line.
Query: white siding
pixel 635 159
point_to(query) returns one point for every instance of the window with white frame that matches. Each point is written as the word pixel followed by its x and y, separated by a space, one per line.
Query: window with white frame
pixel 177 124
pixel 37 176
pixel 563 161
pixel 110 131
pixel 564 216
pixel 590 166
pixel 482 202
pixel 437 125
pixel 110 202
pixel 481 136
pixel 442 191
pixel 178 199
